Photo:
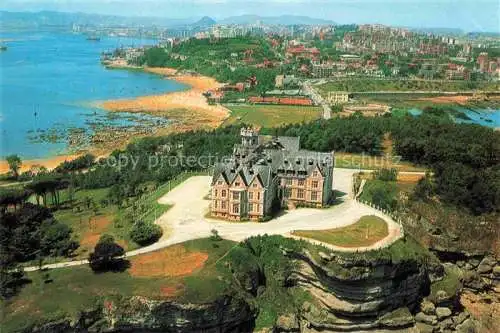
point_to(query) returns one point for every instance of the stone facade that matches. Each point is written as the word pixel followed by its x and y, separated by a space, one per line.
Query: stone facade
pixel 268 171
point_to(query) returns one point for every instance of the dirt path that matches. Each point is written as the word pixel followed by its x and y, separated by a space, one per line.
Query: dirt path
pixel 186 219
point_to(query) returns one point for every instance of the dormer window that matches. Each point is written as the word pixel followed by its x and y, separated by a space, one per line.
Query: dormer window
pixel 315 173
pixel 237 184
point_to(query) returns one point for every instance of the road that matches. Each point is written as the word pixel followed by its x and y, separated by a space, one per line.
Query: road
pixel 186 219
pixel 317 99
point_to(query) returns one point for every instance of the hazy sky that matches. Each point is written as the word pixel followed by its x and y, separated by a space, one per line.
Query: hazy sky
pixel 470 15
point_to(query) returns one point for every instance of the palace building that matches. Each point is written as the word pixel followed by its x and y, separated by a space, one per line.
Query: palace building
pixel 266 173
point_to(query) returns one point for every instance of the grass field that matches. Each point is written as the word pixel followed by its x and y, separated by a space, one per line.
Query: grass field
pixel 368 162
pixel 71 290
pixel 272 115
pixel 90 219
pixel 367 231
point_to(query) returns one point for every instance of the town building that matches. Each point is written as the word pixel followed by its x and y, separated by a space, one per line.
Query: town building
pixel 301 52
pixel 266 173
pixel 286 81
pixel 338 97
pixel 482 61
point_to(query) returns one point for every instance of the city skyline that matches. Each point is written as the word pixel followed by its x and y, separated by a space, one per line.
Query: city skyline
pixel 467 15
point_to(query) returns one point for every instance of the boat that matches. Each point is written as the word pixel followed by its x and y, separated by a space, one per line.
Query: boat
pixel 94 38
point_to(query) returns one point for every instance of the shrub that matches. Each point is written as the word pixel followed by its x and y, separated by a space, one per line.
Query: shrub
pixel 106 255
pixel 144 233
pixel 215 235
pixel 387 175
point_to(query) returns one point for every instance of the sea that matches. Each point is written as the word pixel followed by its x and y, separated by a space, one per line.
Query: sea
pixel 53 81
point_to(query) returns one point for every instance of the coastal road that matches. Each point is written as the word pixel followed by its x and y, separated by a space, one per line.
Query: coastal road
pixel 186 219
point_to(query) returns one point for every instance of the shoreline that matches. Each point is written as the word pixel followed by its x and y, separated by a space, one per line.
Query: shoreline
pixel 187 110
pixel 49 163
pixel 165 104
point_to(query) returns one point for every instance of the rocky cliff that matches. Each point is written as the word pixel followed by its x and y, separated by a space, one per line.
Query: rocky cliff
pixel 354 295
pixel 139 314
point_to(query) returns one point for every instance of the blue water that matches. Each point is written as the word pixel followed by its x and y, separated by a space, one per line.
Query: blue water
pixel 484 117
pixel 58 76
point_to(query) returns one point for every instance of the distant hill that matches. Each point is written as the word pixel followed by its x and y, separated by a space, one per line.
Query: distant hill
pixel 282 20
pixel 64 19
pixel 205 21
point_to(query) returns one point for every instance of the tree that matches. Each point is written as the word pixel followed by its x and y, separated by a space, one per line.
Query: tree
pixel 15 163
pixel 144 233
pixel 12 197
pixel 106 255
pixel 10 274
pixel 56 239
pixel 424 188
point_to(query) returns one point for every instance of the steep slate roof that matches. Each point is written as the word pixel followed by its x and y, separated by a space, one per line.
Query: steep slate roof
pixel 273 155
pixel 290 143
pixel 247 173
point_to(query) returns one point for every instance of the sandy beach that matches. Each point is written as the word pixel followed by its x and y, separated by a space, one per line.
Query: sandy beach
pixel 189 110
pixel 49 163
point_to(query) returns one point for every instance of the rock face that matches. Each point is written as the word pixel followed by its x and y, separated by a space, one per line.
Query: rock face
pixel 359 295
pixel 138 314
pixel 443 313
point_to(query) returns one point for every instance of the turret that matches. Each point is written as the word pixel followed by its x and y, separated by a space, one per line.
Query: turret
pixel 249 137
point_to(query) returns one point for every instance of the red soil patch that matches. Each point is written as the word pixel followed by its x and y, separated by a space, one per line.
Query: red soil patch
pixel 172 261
pixel 96 227
pixel 459 99
pixel 409 178
pixel 487 312
pixel 170 291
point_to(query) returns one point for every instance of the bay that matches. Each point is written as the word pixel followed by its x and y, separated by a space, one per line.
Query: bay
pixel 54 80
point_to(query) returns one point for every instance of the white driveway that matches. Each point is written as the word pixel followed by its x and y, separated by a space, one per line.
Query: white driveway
pixel 186 219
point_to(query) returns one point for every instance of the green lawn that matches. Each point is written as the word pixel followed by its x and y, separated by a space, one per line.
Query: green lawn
pixel 89 223
pixel 272 115
pixel 355 161
pixel 367 231
pixel 74 289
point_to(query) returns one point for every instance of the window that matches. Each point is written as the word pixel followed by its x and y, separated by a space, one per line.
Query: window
pixel 300 194
pixel 250 195
pixel 287 193
pixel 236 208
pixel 219 182
pixel 250 207
pixel 288 181
pixel 255 185
pixel 258 195
pixel 301 182
pixel 215 204
pixel 236 195
pixel 216 192
pixel 315 173
pixel 314 184
pixel 223 205
pixel 237 184
pixel 223 193
pixel 314 195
